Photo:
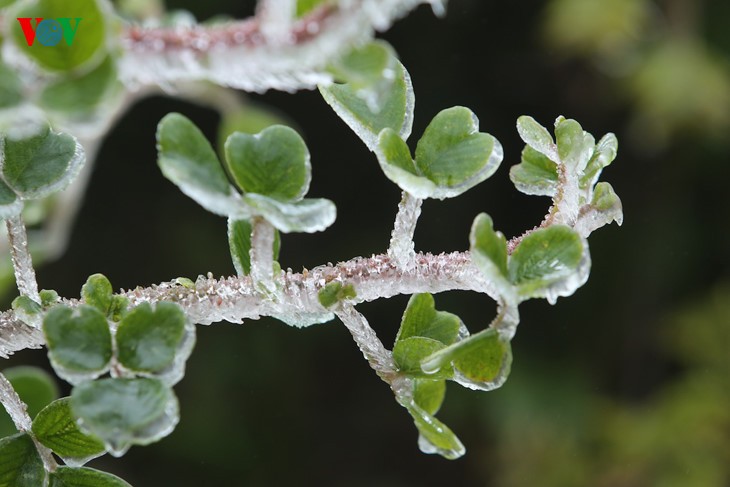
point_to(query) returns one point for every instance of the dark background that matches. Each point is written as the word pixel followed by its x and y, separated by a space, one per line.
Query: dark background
pixel 264 404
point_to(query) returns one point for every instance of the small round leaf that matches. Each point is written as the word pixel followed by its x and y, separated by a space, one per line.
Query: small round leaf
pixel 147 338
pixel 454 155
pixel 38 165
pixel 274 163
pixel 79 342
pixel 97 292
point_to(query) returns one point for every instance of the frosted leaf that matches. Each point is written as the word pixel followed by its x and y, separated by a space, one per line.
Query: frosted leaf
pixel 125 412
pixel 434 436
pixel 395 111
pixel 536 174
pixel 176 371
pixel 537 137
pixel 604 208
pixel 308 215
pixel 575 145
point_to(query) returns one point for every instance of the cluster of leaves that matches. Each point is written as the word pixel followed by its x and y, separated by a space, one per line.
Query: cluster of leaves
pixel 144 350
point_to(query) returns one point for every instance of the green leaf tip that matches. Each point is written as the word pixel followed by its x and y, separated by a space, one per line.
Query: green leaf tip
pixel 97 292
pixel 335 292
pixel 451 157
pixel 84 477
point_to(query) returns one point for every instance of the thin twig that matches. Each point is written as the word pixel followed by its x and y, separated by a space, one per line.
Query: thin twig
pixel 22 261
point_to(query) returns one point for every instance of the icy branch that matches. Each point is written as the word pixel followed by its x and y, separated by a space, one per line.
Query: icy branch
pixel 268 51
pixel 235 299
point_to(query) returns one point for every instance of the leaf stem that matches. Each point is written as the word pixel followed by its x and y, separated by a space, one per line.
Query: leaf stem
pixel 262 254
pixel 22 261
pixel 18 412
pixel 402 248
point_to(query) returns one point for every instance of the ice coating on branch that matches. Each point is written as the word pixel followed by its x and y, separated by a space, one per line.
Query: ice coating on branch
pixel 16 335
pixel 22 262
pixel 15 407
pixel 240 55
pixel 402 247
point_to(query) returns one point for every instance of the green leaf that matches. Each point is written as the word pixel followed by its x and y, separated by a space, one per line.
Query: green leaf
pixel 453 153
pixel 10 205
pixel 334 292
pixel 84 477
pixel 364 65
pixel 536 175
pixel 273 163
pixel 435 437
pixel 308 215
pixel 20 464
pixel 605 207
pixel 123 412
pixel 429 394
pixel 481 361
pixel 118 308
pixel 83 93
pixel 396 108
pixel 97 292
pixel 26 305
pixel 49 297
pixel 485 358
pixel 57 429
pixel 489 253
pixel 575 146
pixel 147 338
pixel 187 159
pixel 41 164
pixel 421 319
pixel 239 241
pixel 537 137
pixel 306 6
pixel 62 44
pixel 603 155
pixel 11 88
pixel 79 342
pixel 35 387
pixel 408 353
pixel 547 263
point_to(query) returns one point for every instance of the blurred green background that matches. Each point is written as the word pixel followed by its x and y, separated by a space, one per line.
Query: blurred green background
pixel 625 384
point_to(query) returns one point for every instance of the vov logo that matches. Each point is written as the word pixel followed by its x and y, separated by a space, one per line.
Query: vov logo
pixel 49 32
